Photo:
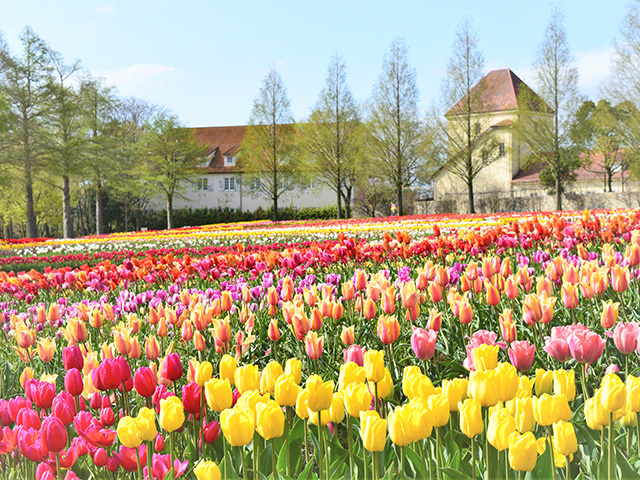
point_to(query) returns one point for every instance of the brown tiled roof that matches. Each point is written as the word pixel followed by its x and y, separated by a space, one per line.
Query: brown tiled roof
pixel 220 141
pixel 498 91
pixel 589 171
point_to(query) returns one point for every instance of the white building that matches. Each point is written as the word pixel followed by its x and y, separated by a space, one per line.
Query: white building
pixel 220 182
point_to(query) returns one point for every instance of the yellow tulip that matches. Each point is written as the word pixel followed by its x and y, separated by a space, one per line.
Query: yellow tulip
pixel 128 432
pixel 203 372
pixel 545 410
pixel 564 381
pixel 525 420
pixel 594 413
pixel 384 386
pixel 484 387
pixel 418 385
pixel 237 426
pixel 350 372
pixel 471 417
pixel 544 381
pixel 562 407
pixel 501 426
pixel 293 367
pixel 269 377
pixel 336 411
pixel 207 471
pixel 455 391
pixel 374 365
pixel 171 413
pixel 247 378
pixel 440 410
pixel 269 420
pixel 398 426
pixel 146 423
pixel 633 393
pixel 523 452
pixel 407 375
pixel 218 394
pixel 301 404
pixel 485 357
pixel 373 431
pixel 228 367
pixel 286 391
pixel 564 438
pixel 508 381
pixel 248 402
pixel 357 398
pixel 320 393
pixel 420 422
pixel 614 393
pixel 525 387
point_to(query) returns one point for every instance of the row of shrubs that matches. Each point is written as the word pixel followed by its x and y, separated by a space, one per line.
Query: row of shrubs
pixel 187 217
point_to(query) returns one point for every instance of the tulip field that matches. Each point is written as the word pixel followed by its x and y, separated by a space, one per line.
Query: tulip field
pixel 427 347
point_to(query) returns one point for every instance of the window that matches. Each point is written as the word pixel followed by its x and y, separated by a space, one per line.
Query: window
pixel 501 149
pixel 229 161
pixel 485 156
pixel 229 184
pixel 476 128
pixel 203 184
pixel 313 184
pixel 256 184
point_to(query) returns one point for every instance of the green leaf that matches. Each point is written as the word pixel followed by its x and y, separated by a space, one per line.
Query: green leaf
pixel 416 462
pixel 307 473
pixel 454 474
pixel 338 466
pixel 626 470
pixel 542 470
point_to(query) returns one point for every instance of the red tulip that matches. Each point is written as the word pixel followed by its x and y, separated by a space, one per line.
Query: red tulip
pixel 161 465
pixel 211 431
pixel 73 382
pixel 112 464
pixel 313 345
pixel 62 410
pixel 128 457
pixel 159 443
pixel 388 329
pixel 54 433
pixel 99 457
pixel 423 343
pixel 28 418
pixel 107 376
pixel 72 358
pixel 191 398
pixel 172 368
pixel 68 457
pixel 42 393
pixel 92 431
pixel 274 332
pixel 44 472
pixel 107 417
pixel 144 382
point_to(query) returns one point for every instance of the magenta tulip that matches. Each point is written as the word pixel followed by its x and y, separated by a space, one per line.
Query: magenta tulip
pixel 54 434
pixel 72 358
pixel 144 382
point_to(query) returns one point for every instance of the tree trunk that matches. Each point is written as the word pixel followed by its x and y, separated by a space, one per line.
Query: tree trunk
pixel 99 227
pixel 339 212
pixel 67 218
pixel 609 177
pixel 169 212
pixel 399 200
pixel 472 206
pixel 32 225
pixel 347 202
pixel 558 194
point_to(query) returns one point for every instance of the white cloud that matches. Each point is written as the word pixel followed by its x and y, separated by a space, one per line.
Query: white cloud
pixel 107 9
pixel 135 79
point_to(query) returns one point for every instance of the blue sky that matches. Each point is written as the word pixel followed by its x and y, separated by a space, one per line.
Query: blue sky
pixel 205 60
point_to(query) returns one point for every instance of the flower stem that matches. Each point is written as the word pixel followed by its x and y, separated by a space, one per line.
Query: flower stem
pixel 611 447
pixel 638 431
pixel 568 474
pixel 59 471
pixel 244 467
pixel 350 442
pixel 401 460
pixel 172 453
pixel 374 473
pixel 473 457
pixel 439 451
pixel 320 449
pixel 287 419
pixel 138 462
pixel 553 462
pixel 226 458
pixel 585 392
pixel 486 444
pixel 274 462
pixel 256 454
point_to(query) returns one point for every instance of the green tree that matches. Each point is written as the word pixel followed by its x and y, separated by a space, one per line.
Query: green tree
pixel 544 122
pixel 267 154
pixel 395 131
pixel 598 129
pixel 25 81
pixel 104 151
pixel 172 154
pixel 66 153
pixel 469 151
pixel 333 136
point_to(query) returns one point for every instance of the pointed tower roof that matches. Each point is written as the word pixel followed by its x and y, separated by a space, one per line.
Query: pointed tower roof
pixel 498 91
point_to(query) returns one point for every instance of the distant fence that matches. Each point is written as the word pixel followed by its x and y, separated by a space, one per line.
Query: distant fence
pixel 493 202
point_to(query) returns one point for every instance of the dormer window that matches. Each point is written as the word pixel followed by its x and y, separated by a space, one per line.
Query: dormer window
pixel 229 161
pixel 501 150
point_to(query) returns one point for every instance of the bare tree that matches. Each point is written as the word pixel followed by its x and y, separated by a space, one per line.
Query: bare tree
pixel 470 149
pixel 332 136
pixel 267 154
pixel 395 130
pixel 544 122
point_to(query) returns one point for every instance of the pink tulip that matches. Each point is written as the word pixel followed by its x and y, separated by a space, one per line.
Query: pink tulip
pixel 612 369
pixel 521 354
pixel 625 336
pixel 480 337
pixel 354 353
pixel 423 343
pixel 558 348
pixel 586 346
